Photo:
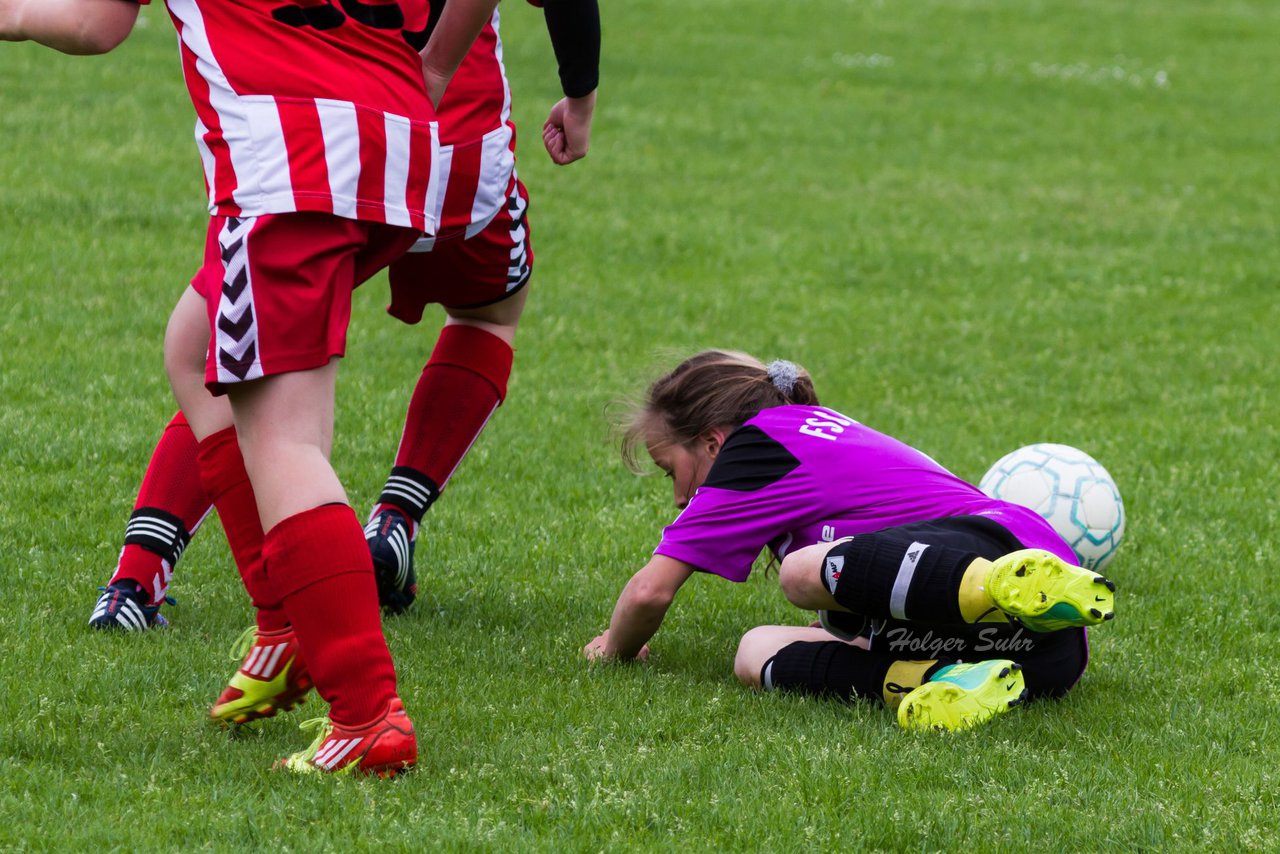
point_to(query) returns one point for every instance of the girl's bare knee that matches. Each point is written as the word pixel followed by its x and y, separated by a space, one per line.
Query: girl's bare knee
pixel 755 648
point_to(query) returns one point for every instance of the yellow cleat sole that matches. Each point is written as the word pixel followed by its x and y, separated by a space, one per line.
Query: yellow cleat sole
pixel 242 713
pixel 1045 593
pixel 949 707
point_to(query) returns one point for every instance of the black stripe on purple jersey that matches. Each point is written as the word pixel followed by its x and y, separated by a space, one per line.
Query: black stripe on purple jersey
pixel 750 459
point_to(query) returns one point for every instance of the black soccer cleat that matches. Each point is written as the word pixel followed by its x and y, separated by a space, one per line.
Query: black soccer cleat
pixel 123 605
pixel 391 547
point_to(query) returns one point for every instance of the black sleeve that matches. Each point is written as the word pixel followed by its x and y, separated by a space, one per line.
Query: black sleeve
pixel 749 460
pixel 574 27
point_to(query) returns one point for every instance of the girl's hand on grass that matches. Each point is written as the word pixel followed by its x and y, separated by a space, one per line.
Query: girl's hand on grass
pixel 598 650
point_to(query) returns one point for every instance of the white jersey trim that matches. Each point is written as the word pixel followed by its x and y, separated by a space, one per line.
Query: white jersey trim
pixel 341 132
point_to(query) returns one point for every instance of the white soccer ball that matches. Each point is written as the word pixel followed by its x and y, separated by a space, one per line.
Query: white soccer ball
pixel 1070 490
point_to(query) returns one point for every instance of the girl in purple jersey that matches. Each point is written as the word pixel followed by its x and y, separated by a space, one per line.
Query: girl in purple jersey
pixel 946 604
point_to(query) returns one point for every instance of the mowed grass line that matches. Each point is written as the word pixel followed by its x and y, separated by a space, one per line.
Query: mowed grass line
pixel 980 224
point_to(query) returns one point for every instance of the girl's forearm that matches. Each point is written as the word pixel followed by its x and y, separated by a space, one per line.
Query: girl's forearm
pixel 634 622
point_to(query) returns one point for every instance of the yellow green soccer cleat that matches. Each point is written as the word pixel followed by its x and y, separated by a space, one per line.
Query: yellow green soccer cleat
pixel 962 696
pixel 1045 593
pixel 272 678
pixel 384 747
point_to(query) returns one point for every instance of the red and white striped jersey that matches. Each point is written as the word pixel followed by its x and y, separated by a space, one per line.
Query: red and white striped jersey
pixel 302 107
pixel 477 157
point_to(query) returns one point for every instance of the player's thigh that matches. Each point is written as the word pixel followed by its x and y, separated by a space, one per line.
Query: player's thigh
pixel 186 347
pixel 801 576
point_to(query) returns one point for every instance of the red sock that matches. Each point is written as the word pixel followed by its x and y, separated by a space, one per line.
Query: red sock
pixel 462 384
pixel 319 563
pixel 171 504
pixel 223 474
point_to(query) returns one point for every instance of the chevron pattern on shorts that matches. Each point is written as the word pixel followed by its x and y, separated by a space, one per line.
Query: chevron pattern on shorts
pixel 236 328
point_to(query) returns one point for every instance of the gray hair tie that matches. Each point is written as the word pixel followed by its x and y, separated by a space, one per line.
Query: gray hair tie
pixel 783 375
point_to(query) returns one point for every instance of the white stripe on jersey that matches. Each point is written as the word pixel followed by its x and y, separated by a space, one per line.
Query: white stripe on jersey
pixel 497 162
pixel 206 157
pixel 341 153
pixel 435 184
pixel 222 99
pixel 272 156
pixel 502 69
pixel 396 178
pixel 444 163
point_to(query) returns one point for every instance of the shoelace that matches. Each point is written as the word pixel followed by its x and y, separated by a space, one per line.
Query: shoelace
pixel 244 643
pixel 168 600
pixel 324 727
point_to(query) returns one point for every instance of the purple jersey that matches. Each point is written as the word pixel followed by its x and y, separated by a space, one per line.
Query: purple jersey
pixel 797 475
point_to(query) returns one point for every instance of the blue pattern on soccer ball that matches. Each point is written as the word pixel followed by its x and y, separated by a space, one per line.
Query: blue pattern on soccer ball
pixel 1070 490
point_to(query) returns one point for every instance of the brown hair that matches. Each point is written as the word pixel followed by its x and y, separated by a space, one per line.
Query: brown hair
pixel 714 388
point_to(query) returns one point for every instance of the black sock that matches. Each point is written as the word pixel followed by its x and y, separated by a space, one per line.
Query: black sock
pixel 411 491
pixel 829 668
pixel 836 669
pixel 883 576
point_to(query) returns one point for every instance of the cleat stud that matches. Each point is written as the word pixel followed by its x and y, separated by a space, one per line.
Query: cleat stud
pixel 1004 671
pixel 1015 667
pixel 1097 615
pixel 1110 615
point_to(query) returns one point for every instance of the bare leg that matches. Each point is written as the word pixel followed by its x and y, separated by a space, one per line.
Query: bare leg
pixel 285 427
pixel 499 319
pixel 763 642
pixel 186 346
pixel 801 579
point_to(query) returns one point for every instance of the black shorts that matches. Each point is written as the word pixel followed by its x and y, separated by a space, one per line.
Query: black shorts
pixel 1052 662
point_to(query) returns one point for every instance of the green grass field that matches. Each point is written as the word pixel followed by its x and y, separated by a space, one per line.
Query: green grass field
pixel 980 224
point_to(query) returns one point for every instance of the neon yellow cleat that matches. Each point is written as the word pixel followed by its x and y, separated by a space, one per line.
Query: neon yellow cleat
pixel 272 678
pixel 1045 593
pixel 962 696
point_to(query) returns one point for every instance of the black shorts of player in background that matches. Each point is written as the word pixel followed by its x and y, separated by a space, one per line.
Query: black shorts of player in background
pixel 1052 661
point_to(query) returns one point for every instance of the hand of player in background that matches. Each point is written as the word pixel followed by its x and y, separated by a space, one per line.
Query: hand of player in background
pixel 567 130
pixel 595 651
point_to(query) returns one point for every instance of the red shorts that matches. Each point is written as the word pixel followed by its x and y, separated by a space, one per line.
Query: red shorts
pixel 466 269
pixel 278 289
